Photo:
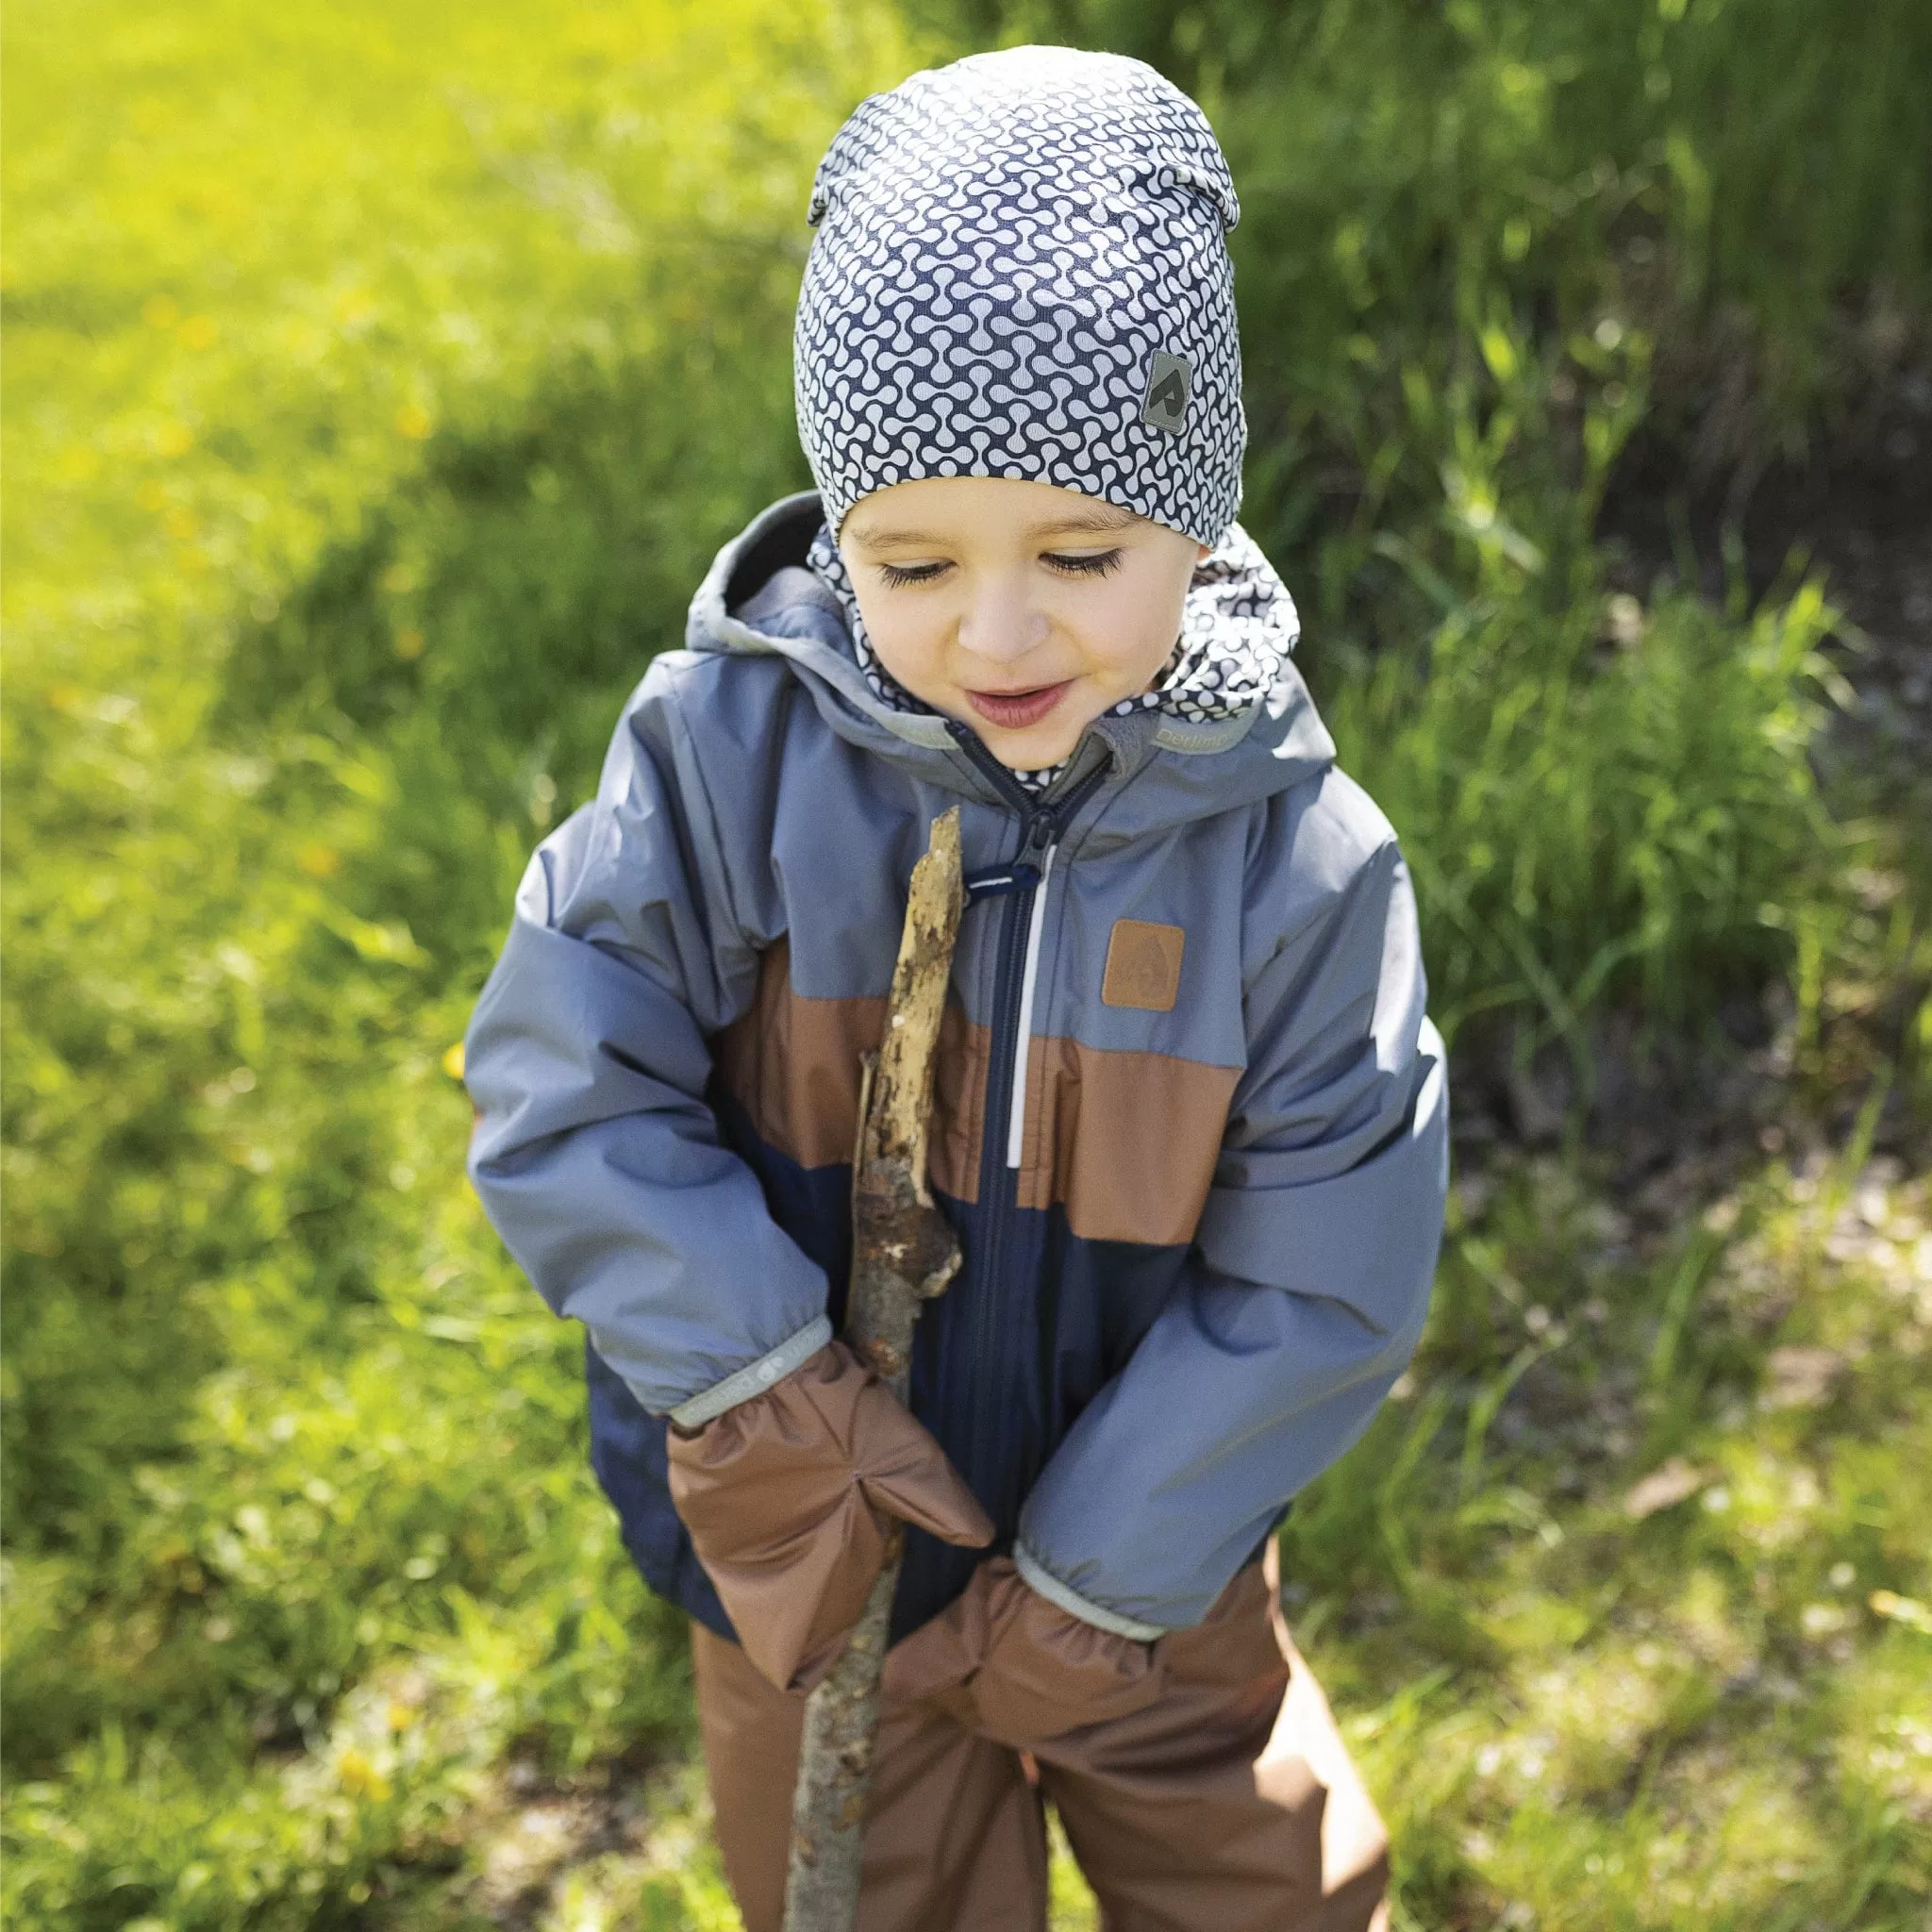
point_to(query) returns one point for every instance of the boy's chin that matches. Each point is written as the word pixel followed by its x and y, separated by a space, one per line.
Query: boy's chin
pixel 1051 742
pixel 1027 751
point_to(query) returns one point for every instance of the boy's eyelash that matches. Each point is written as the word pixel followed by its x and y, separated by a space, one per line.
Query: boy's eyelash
pixel 898 575
pixel 1104 563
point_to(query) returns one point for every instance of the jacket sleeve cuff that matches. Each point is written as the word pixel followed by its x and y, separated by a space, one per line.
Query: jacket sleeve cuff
pixel 753 1380
pixel 1049 1585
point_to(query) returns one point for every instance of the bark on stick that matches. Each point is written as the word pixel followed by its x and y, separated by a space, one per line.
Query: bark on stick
pixel 903 1253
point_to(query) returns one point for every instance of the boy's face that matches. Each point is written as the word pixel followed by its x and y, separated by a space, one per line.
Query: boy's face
pixel 1021 609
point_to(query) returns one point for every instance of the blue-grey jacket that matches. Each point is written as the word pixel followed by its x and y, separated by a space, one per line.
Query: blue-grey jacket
pixel 1191 1120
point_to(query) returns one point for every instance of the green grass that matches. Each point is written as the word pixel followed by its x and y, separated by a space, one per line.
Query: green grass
pixel 1631 1606
pixel 347 350
pixel 377 384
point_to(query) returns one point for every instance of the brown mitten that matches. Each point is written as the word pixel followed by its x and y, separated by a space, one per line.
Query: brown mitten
pixel 788 1499
pixel 1030 1670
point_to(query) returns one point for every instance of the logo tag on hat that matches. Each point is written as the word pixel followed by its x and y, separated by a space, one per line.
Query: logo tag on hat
pixel 1170 383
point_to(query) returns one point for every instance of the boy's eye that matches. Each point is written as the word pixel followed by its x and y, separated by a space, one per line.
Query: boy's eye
pixel 1101 563
pixel 1098 564
pixel 898 575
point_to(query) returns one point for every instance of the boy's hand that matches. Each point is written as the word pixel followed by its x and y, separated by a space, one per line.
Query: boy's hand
pixel 787 1499
pixel 1029 1670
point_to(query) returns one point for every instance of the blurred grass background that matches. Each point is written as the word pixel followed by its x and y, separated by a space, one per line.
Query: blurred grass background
pixel 378 382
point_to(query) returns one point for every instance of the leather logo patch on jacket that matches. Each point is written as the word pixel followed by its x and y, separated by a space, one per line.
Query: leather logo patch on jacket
pixel 1143 966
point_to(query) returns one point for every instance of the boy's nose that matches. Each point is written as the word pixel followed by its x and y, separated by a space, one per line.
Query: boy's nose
pixel 1001 627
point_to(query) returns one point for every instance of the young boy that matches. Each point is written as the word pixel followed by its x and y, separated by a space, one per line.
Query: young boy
pixel 1191 1119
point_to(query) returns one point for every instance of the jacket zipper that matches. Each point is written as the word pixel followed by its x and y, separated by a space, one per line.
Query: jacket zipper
pixel 1024 885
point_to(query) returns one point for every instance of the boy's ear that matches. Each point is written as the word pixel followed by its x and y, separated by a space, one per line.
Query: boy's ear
pixel 1203 551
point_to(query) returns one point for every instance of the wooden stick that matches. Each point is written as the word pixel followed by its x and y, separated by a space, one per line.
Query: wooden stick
pixel 903 1253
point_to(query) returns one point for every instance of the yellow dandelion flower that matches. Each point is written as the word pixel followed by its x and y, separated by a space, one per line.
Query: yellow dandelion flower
pixel 360 1778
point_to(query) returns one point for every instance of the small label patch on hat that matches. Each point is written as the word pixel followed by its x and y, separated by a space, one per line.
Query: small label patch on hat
pixel 1170 383
pixel 1143 966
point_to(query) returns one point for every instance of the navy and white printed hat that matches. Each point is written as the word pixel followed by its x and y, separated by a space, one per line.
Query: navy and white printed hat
pixel 1020 270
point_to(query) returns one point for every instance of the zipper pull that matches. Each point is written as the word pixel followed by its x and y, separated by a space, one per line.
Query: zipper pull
pixel 999 880
pixel 1044 824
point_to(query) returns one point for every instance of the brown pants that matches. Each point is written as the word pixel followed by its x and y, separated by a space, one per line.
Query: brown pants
pixel 1229 1806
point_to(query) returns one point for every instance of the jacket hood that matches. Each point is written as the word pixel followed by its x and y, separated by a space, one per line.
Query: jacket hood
pixel 758 599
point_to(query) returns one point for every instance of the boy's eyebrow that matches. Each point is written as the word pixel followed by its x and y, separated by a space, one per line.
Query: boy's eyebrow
pixel 1101 518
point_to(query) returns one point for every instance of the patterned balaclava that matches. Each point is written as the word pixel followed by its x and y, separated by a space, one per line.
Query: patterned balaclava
pixel 1020 270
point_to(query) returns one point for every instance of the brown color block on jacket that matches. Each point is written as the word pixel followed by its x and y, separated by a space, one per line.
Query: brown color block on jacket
pixel 793 1063
pixel 1125 1142
pixel 1224 1802
pixel 791 1500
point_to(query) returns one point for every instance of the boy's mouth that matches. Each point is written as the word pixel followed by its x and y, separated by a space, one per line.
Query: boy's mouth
pixel 1014 710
